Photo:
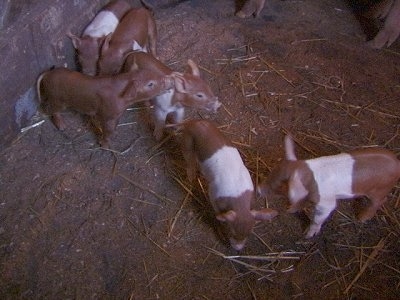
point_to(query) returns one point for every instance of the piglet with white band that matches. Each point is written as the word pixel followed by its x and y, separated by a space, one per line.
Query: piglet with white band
pixel 103 24
pixel 230 187
pixel 370 172
pixel 137 31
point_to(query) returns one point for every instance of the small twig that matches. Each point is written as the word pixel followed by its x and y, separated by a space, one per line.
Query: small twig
pixel 177 215
pixel 372 256
pixel 308 40
pixel 138 185
pixel 276 71
pixel 146 235
pixel 262 241
pixel 208 71
pixel 397 116
pixel 188 190
pixel 32 126
pixel 145 202
pixel 228 112
pixel 241 144
pixel 242 84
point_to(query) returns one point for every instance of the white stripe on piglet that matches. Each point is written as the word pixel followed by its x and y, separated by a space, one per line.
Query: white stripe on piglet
pixel 137 47
pixel 227 175
pixel 103 24
pixel 333 175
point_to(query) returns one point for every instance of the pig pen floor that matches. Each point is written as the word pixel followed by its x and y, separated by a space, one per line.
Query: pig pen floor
pixel 79 222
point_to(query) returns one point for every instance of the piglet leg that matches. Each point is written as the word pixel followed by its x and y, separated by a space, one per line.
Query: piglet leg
pixel 377 200
pixel 159 123
pixel 251 7
pixel 58 121
pixel 322 212
pixel 108 127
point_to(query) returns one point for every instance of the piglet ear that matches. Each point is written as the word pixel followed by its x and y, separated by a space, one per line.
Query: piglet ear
pixel 101 40
pixel 106 43
pixel 194 68
pixel 228 216
pixel 76 41
pixel 180 82
pixel 264 214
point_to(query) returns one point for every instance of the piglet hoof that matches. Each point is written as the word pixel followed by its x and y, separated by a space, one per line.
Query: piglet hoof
pixel 104 144
pixel 292 209
pixel 365 216
pixel 374 45
pixel 312 231
pixel 241 14
pixel 264 214
pixel 58 121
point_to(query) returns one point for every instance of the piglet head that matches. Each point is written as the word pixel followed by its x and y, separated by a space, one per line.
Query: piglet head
pixel 111 60
pixel 193 91
pixel 88 51
pixel 238 227
pixel 145 85
pixel 240 224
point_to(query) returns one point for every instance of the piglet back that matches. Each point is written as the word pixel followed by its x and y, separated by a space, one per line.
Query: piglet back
pixel 206 136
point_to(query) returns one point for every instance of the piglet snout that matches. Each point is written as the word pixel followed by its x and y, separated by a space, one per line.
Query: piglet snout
pixel 237 245
pixel 214 105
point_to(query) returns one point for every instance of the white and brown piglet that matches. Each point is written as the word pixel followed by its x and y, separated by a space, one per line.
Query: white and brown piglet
pixel 230 187
pixel 190 90
pixel 103 97
pixel 104 23
pixel 370 172
pixel 136 31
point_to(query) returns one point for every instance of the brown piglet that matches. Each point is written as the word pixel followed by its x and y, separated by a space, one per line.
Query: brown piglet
pixel 136 31
pixel 104 97
pixel 104 23
pixel 190 90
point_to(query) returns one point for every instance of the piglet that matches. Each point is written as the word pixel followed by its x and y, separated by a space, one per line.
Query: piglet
pixel 370 172
pixel 104 23
pixel 190 90
pixel 104 97
pixel 251 7
pixel 231 189
pixel 390 11
pixel 137 31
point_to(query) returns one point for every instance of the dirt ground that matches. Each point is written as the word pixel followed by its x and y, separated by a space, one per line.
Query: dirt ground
pixel 80 222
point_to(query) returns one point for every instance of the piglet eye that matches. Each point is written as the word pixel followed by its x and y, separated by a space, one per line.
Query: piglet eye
pixel 200 95
pixel 150 84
